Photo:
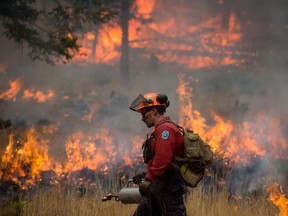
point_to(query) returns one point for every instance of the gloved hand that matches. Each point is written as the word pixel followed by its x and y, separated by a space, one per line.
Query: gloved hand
pixel 138 178
pixel 144 187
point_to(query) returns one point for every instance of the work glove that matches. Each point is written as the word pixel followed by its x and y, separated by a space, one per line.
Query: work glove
pixel 144 187
pixel 138 178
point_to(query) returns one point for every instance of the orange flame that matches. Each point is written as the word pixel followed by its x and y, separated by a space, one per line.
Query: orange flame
pixel 278 198
pixel 145 8
pixel 92 109
pixel 260 137
pixel 187 117
pixel 11 93
pixel 170 38
pixel 101 49
pixel 25 157
pixel 95 151
pixel 37 95
pixel 90 152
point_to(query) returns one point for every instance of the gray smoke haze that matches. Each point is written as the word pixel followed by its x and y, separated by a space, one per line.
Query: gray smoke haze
pixel 236 93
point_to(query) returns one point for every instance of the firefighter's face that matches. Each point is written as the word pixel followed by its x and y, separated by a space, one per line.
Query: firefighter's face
pixel 148 117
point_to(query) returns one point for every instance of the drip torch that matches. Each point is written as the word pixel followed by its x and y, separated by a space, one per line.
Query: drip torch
pixel 128 195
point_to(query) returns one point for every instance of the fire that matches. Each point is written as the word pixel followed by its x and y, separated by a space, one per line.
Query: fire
pixel 31 94
pixel 172 39
pixel 217 134
pixel 187 117
pixel 27 154
pixel 145 8
pixel 28 94
pixel 109 39
pixel 100 149
pixel 259 137
pixel 97 151
pixel 93 107
pixel 132 155
pixel 101 48
pixel 25 157
pixel 224 37
pixel 278 198
pixel 90 152
pixel 10 94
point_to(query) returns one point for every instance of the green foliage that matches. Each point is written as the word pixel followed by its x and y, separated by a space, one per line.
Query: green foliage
pixel 48 27
pixel 18 208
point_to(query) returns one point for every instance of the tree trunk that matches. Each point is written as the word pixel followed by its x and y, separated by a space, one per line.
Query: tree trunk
pixel 95 42
pixel 124 60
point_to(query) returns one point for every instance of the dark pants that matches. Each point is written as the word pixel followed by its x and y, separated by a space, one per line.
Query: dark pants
pixel 165 198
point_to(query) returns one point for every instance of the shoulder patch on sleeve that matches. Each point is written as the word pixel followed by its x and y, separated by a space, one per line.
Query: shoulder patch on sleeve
pixel 165 134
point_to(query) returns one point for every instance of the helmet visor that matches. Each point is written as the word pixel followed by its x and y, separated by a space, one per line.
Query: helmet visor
pixel 139 103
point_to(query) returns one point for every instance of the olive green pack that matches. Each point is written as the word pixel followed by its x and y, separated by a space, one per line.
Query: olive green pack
pixel 197 154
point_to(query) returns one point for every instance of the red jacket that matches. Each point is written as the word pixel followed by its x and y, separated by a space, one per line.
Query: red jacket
pixel 167 143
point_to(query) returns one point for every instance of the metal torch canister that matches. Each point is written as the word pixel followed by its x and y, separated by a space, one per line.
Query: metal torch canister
pixel 130 194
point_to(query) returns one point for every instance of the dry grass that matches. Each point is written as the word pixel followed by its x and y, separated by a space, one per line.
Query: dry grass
pixel 56 202
pixel 218 204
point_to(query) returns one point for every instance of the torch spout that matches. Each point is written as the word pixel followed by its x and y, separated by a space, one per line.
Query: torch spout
pixel 109 197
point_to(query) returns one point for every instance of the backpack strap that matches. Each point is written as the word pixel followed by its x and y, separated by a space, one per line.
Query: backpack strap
pixel 181 129
pixel 178 161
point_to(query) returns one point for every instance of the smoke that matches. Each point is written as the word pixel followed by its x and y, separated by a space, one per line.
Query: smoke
pixel 89 97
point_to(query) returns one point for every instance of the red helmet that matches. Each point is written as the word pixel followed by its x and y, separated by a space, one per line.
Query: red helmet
pixel 149 100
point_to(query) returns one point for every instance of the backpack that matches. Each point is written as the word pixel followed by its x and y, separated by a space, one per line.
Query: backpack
pixel 197 154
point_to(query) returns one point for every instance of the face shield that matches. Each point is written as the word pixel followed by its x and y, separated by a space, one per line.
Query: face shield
pixel 149 100
pixel 140 102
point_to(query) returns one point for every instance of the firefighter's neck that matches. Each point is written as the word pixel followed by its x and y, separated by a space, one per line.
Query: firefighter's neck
pixel 157 119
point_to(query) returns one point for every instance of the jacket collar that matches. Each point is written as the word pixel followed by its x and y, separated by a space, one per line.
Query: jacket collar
pixel 162 120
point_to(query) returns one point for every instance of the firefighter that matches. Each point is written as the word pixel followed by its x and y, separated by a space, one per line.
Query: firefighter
pixel 161 187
